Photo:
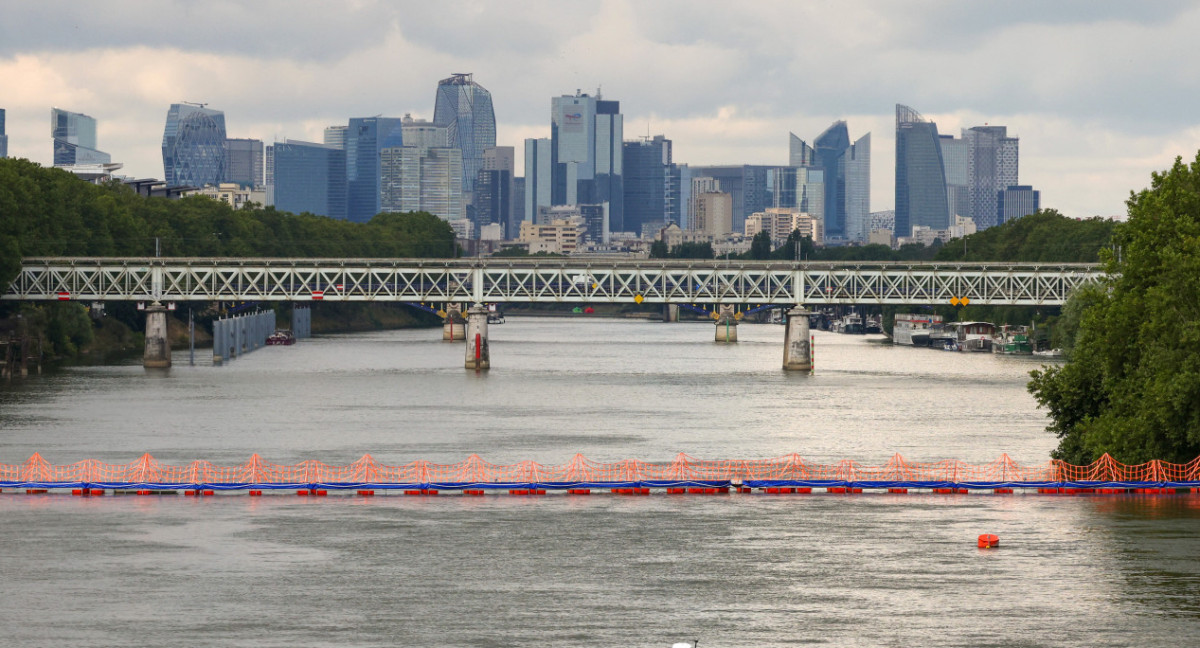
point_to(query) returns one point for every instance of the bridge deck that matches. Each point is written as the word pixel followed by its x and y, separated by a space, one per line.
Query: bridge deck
pixel 546 280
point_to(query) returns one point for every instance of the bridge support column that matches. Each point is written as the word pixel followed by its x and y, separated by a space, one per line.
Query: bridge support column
pixel 477 338
pixel 453 327
pixel 797 353
pixel 670 313
pixel 158 348
pixel 726 324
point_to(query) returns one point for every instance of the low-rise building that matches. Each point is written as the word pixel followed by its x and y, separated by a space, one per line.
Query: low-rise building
pixel 234 194
pixel 561 236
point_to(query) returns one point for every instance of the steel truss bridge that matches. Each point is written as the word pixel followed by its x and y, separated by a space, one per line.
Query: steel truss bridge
pixel 547 280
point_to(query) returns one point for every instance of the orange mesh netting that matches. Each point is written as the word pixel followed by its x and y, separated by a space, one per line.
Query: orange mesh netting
pixel 474 470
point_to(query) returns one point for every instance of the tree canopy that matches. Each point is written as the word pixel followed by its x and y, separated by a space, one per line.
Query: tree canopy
pixel 1131 385
pixel 49 212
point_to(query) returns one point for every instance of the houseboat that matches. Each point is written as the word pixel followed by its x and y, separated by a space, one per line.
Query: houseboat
pixel 1012 340
pixel 974 336
pixel 913 330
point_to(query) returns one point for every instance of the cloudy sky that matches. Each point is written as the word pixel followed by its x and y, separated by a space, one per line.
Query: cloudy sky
pixel 1100 93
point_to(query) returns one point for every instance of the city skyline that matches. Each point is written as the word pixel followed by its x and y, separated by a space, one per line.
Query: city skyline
pixel 725 91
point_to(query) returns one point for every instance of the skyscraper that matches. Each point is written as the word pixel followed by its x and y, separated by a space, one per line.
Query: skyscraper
pixel 854 194
pixel 464 108
pixel 847 178
pixel 3 137
pixel 425 174
pixel 954 161
pixel 75 139
pixel 920 174
pixel 493 196
pixel 650 192
pixel 1015 202
pixel 799 152
pixel 309 178
pixel 335 136
pixel 193 146
pixel 244 162
pixel 366 137
pixel 587 166
pixel 991 167
pixel 539 172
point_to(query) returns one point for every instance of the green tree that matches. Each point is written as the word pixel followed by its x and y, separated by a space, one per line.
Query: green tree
pixel 760 246
pixel 1131 386
pixel 658 250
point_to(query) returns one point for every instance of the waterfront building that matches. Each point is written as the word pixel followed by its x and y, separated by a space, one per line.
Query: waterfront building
pixel 193 146
pixel 366 137
pixel 920 174
pixel 244 162
pixel 1015 202
pixel 309 177
pixel 74 137
pixel 586 148
pixel 335 136
pixel 3 137
pixel 464 108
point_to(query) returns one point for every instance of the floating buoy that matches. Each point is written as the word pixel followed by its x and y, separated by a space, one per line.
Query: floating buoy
pixel 255 493
pixel 988 541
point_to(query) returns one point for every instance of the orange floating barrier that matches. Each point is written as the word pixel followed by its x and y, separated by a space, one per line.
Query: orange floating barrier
pixel 36 491
pixel 470 492
pixel 97 492
pixel 803 491
pixel 1002 491
pixel 681 491
pixel 988 541
pixel 579 491
pixel 255 493
pixel 898 491
pixel 208 493
pixel 304 493
pixel 77 491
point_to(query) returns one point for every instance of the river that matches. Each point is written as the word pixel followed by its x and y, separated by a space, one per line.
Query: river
pixel 738 570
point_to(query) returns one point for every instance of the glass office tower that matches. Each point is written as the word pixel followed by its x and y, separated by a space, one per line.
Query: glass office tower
pixel 309 177
pixel 3 137
pixel 193 146
pixel 588 161
pixel 648 183
pixel 75 139
pixel 920 174
pixel 244 162
pixel 366 137
pixel 464 108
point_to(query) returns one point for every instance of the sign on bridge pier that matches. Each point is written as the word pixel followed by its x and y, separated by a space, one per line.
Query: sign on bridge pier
pixel 546 280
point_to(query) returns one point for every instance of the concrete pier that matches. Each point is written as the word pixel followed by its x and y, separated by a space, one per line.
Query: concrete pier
pixel 797 352
pixel 158 347
pixel 726 324
pixel 477 338
pixel 453 324
pixel 670 313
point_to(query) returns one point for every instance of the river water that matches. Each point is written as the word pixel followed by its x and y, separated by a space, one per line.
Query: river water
pixel 864 570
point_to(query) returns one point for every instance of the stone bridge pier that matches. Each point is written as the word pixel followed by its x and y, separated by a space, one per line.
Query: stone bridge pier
pixel 454 323
pixel 797 347
pixel 158 346
pixel 726 324
pixel 478 357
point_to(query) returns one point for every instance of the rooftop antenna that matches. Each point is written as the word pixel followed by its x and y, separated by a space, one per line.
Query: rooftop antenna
pixel 195 103
pixel 599 95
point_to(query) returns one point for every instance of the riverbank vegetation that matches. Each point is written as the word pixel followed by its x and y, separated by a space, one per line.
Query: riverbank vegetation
pixel 49 212
pixel 1131 385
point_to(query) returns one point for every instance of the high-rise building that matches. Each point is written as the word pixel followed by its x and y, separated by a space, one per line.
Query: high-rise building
pixel 464 108
pixel 75 139
pixel 1016 202
pixel 366 137
pixel 713 214
pixel 954 161
pixel 425 174
pixel 651 184
pixel 920 174
pixel 309 177
pixel 539 172
pixel 244 162
pixel 492 201
pixel 587 166
pixel 3 136
pixel 193 146
pixel 979 165
pixel 992 167
pixel 335 136
pixel 517 214
pixel 847 178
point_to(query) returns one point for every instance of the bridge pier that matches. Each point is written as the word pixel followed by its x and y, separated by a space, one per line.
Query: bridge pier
pixel 726 324
pixel 797 351
pixel 453 327
pixel 670 313
pixel 477 338
pixel 158 347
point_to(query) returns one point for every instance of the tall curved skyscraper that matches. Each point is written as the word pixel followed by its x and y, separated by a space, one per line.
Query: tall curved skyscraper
pixel 465 109
pixel 193 146
pixel 920 174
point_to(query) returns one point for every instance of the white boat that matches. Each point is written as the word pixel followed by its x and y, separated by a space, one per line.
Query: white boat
pixel 913 330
